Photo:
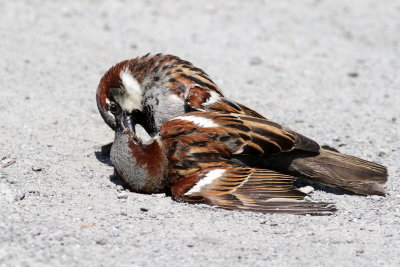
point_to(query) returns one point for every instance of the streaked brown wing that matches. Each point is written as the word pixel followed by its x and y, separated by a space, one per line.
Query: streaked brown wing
pixel 266 127
pixel 260 137
pixel 225 134
pixel 248 111
pixel 189 82
pixel 246 189
pixel 192 148
pixel 304 143
pixel 204 99
pixel 180 74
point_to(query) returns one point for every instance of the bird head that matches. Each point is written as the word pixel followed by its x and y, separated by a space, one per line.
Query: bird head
pixel 119 93
pixel 154 89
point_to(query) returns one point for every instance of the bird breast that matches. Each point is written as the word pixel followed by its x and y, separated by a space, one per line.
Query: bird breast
pixel 141 167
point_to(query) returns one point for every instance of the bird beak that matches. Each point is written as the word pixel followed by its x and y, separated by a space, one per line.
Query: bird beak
pixel 126 123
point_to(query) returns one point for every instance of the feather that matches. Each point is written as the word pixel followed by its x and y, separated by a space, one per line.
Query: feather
pixel 248 189
pixel 333 169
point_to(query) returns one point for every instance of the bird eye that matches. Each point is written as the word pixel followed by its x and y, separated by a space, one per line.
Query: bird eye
pixel 114 108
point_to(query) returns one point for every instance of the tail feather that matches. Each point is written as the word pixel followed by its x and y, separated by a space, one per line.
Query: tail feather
pixel 335 169
pixel 276 205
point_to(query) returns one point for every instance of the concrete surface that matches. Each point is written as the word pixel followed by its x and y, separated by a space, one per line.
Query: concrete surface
pixel 328 69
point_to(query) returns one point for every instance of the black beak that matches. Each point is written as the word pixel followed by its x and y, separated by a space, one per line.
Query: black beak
pixel 126 123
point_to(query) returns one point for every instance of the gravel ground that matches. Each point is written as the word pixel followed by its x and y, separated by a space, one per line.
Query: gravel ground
pixel 328 69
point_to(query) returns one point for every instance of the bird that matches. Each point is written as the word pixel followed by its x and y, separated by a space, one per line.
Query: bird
pixel 196 158
pixel 157 88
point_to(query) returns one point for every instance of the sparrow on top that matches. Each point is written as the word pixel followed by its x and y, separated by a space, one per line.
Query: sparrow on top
pixel 157 88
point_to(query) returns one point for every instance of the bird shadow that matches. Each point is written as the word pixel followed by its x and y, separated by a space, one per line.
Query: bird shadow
pixel 115 180
pixel 103 155
pixel 103 159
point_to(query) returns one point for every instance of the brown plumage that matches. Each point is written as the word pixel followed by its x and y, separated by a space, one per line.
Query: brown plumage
pixel 169 86
pixel 333 169
pixel 195 159
pixel 264 143
pixel 248 189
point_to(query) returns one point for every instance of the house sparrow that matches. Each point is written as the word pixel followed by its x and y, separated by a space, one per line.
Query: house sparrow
pixel 155 89
pixel 196 158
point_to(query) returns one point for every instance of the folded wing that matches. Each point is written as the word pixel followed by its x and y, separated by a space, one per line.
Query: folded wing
pixel 248 189
pixel 245 135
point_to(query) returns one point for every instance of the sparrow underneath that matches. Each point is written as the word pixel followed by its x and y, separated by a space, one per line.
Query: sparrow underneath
pixel 197 158
pixel 155 89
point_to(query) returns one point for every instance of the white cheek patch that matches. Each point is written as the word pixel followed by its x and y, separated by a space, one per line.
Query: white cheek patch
pixel 203 122
pixel 208 179
pixel 133 92
pixel 214 97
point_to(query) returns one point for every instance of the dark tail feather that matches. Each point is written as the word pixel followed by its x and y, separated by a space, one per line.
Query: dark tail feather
pixel 334 169
pixel 293 207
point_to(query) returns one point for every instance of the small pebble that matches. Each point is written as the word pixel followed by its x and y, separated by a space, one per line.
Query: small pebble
pixel 122 195
pixel 375 197
pixel 59 235
pixel 36 168
pixel 5 162
pixel 119 187
pixel 255 61
pixel 359 251
pixel 34 192
pixel 382 154
pixel 10 193
pixel 114 234
pixel 353 74
pixel 101 241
